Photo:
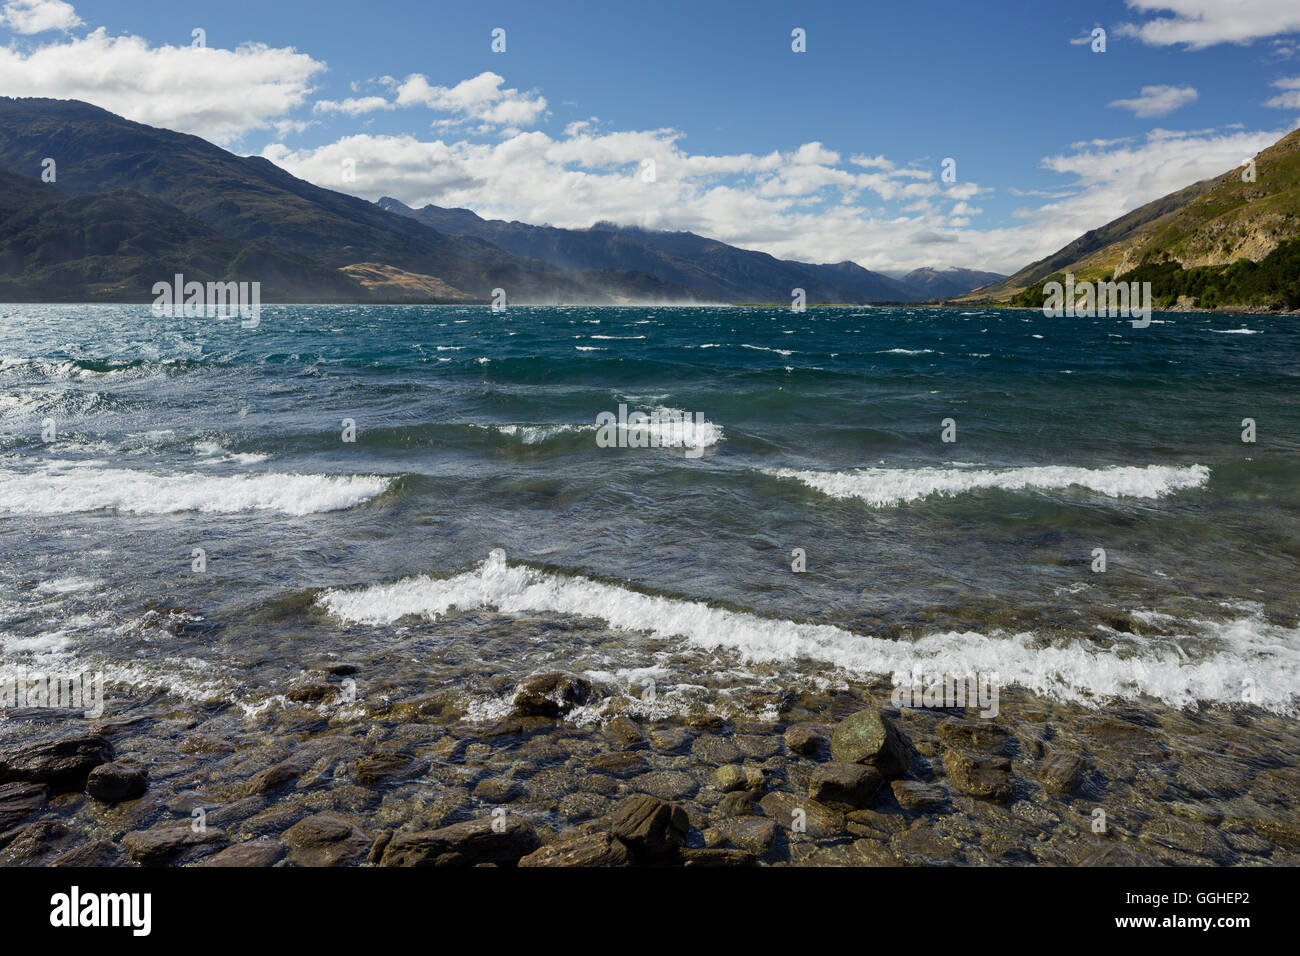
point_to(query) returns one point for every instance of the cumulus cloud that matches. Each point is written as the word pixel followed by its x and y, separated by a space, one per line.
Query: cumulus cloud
pixel 478 98
pixel 1157 101
pixel 1202 23
pixel 1290 100
pixel 38 16
pixel 352 106
pixel 218 94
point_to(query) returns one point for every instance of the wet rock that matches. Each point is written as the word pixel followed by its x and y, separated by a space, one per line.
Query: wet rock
pixel 326 840
pixel 670 739
pixel 1285 832
pixel 117 780
pixel 19 800
pixel 205 744
pixel 844 786
pixel 716 750
pixel 980 736
pixel 867 737
pixel 464 844
pixel 1061 773
pixel 807 739
pixel 666 784
pixel 873 824
pixel 791 812
pixel 94 853
pixel 273 778
pixel 620 764
pixel 385 766
pixel 862 852
pixel 252 853
pixel 1112 853
pixel 985 776
pixel 60 764
pixel 498 790
pixel 575 807
pixel 759 746
pixel 706 722
pixel 921 846
pixel 755 834
pixel 158 846
pixel 914 795
pixel 625 731
pixel 30 842
pixel 738 804
pixel 702 856
pixel 312 693
pixel 730 777
pixel 550 695
pixel 653 829
pixel 598 849
pixel 1186 836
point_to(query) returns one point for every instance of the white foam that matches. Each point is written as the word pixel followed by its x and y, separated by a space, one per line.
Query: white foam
pixel 891 486
pixel 1242 331
pixel 1249 659
pixel 906 352
pixel 54 490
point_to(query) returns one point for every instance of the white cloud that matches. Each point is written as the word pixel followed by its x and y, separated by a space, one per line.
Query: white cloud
pixel 1157 101
pixel 352 106
pixel 218 94
pixel 38 16
pixel 479 98
pixel 1203 23
pixel 1290 100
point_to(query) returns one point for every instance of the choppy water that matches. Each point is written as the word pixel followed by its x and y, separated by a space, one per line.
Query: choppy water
pixel 475 528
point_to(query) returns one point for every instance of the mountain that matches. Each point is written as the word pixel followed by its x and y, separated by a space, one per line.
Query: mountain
pixel 252 200
pixel 1208 224
pixel 930 283
pixel 114 246
pixel 713 270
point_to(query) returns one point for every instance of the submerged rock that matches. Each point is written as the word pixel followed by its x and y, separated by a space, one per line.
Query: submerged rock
pixel 980 775
pixel 551 695
pixel 866 737
pixel 19 800
pixel 463 844
pixel 844 786
pixel 598 849
pixel 326 840
pixel 60 764
pixel 117 781
pixel 653 829
pixel 157 846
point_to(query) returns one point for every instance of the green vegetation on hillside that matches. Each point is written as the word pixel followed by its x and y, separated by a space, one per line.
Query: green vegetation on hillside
pixel 1271 283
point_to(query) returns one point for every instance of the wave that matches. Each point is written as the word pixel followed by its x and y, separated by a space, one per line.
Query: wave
pixel 1251 657
pixel 56 490
pixel 882 487
pixel 674 429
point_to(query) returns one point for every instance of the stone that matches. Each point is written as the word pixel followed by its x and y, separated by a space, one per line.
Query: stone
pixel 984 776
pixel 866 737
pixel 157 846
pixel 598 849
pixel 653 829
pixel 312 693
pixel 1061 773
pixel 60 764
pixel 94 853
pixel 623 763
pixel 716 856
pixel 326 840
pixel 844 786
pixel 979 735
pixel 713 749
pixel 670 739
pixel 817 820
pixel 498 790
pixel 252 853
pixel 1187 836
pixel 385 766
pixel 737 804
pixel 117 780
pixel 272 778
pixel 551 695
pixel 914 795
pixel 625 730
pixel 19 800
pixel 730 777
pixel 755 834
pixel 806 738
pixel 484 840
pixel 666 784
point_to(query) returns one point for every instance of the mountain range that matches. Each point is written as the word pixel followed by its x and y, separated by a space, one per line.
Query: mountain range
pixel 131 204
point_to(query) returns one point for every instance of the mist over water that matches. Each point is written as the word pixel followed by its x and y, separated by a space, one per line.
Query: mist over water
pixel 475 526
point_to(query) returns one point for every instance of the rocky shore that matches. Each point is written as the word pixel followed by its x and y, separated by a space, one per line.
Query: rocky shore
pixel 836 779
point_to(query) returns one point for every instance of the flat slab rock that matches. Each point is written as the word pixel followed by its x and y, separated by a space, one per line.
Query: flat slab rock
pixel 652 829
pixel 326 840
pixel 463 844
pixel 60 764
pixel 157 846
pixel 599 849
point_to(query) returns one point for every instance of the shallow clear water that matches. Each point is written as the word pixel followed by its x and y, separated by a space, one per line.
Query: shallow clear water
pixel 475 431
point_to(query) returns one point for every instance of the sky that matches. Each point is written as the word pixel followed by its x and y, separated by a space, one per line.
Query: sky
pixel 704 116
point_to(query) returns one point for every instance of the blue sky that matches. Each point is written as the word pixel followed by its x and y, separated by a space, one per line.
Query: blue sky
pixel 829 154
